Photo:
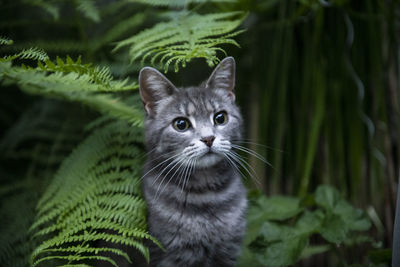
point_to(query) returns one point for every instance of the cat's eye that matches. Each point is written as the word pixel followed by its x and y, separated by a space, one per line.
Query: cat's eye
pixel 181 124
pixel 220 118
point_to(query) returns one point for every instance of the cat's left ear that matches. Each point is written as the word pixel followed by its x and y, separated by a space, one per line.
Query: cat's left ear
pixel 153 87
pixel 223 77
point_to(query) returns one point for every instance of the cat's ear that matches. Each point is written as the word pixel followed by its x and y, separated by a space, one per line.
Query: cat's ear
pixel 223 77
pixel 153 87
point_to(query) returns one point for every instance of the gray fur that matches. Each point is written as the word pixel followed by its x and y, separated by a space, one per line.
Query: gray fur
pixel 196 200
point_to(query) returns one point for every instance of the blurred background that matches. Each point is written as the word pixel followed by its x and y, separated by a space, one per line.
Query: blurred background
pixel 317 83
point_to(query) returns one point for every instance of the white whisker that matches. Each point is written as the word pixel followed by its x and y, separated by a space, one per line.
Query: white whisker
pixel 253 153
pixel 185 171
pixel 234 165
pixel 180 160
pixel 164 161
pixel 191 168
pixel 183 161
pixel 249 141
pixel 237 158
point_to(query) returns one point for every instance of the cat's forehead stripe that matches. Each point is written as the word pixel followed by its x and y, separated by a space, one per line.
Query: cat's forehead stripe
pixel 191 102
pixel 191 109
pixel 182 108
pixel 209 106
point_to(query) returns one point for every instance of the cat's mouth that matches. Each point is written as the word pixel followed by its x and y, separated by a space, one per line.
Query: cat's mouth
pixel 208 159
pixel 207 154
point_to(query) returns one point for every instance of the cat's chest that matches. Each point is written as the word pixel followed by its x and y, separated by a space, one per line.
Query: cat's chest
pixel 209 221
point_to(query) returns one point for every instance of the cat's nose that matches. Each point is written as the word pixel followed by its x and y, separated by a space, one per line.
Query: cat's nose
pixel 208 140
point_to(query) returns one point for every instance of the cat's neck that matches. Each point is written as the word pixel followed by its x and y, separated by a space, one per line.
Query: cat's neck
pixel 196 179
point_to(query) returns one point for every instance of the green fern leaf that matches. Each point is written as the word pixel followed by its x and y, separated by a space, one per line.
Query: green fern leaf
pixel 47 6
pixel 33 53
pixel 72 81
pixel 5 41
pixel 95 196
pixel 89 10
pixel 184 38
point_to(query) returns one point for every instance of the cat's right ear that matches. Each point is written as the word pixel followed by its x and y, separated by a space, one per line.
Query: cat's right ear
pixel 153 87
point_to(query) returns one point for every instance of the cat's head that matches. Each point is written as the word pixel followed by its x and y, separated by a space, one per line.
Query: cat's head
pixel 193 124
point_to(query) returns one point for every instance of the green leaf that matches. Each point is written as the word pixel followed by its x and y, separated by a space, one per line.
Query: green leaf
pixel 355 219
pixel 72 81
pixel 32 53
pixel 327 197
pixel 278 245
pixel 94 196
pixel 5 41
pixel 334 229
pixel 47 6
pixel 184 37
pixel 89 10
pixel 277 208
pixel 309 222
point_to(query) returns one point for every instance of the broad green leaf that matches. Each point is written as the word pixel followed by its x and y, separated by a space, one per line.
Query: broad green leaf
pixel 262 209
pixel 334 229
pixel 354 218
pixel 327 196
pixel 310 222
pixel 278 245
pixel 283 253
pixel 275 208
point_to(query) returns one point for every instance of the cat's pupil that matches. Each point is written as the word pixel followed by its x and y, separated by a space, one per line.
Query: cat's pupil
pixel 181 124
pixel 220 117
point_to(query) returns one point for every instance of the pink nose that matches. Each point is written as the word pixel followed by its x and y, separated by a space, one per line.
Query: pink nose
pixel 208 140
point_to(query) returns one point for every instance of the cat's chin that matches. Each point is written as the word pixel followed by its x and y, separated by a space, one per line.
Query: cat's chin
pixel 208 160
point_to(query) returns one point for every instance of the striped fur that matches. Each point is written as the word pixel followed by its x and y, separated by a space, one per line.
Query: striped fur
pixel 196 200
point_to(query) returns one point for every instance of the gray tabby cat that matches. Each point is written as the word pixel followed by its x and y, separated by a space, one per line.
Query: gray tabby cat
pixel 196 200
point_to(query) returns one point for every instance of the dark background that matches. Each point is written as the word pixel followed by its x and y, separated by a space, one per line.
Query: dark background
pixel 317 82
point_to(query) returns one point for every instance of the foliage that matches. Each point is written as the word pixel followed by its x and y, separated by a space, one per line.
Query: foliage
pixel 185 37
pixel 41 139
pixel 279 228
pixel 321 95
pixel 317 82
pixel 70 80
pixel 79 202
pixel 95 195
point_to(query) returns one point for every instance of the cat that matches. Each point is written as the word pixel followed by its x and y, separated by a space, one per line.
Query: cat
pixel 194 193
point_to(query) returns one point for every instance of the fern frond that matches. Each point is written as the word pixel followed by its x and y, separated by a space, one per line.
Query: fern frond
pixel 87 249
pixel 75 257
pixel 5 41
pixel 178 3
pixel 33 53
pixel 184 38
pixel 47 6
pixel 99 77
pixel 95 196
pixel 75 82
pixel 89 9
